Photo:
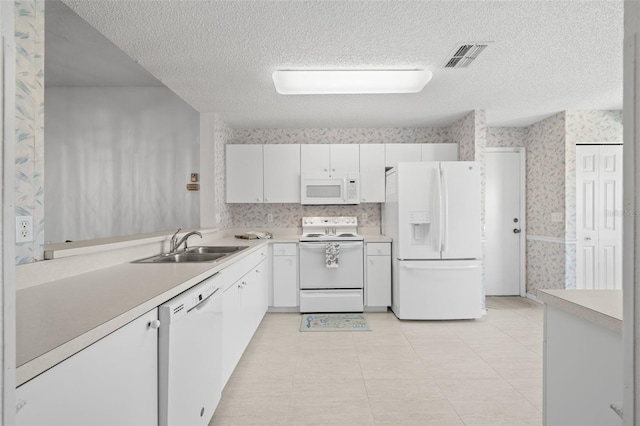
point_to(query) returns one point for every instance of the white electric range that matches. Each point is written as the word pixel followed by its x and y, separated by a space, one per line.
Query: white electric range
pixel 331 265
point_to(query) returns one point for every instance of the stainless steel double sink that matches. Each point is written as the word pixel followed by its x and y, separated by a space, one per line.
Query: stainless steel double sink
pixel 194 254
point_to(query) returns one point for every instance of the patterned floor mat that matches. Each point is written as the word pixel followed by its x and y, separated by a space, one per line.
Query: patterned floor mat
pixel 334 322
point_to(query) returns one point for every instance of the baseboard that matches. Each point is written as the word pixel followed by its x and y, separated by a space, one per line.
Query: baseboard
pixel 376 308
pixel 283 310
pixel 530 296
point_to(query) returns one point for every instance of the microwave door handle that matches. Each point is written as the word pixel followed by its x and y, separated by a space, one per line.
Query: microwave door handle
pixel 344 190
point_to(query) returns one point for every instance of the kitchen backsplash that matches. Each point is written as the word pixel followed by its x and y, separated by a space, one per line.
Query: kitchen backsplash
pixel 289 215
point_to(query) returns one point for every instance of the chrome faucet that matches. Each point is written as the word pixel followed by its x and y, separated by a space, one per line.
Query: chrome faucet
pixel 174 241
pixel 175 244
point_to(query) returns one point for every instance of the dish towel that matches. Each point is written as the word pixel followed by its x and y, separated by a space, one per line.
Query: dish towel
pixel 332 255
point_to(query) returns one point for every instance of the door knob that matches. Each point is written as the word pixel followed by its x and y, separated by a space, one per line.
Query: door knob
pixel 516 231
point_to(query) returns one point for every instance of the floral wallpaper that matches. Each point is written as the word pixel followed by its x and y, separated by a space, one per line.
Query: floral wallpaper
pixel 354 135
pixel 221 135
pixel 545 265
pixel 505 136
pixel 29 122
pixel 463 133
pixel 480 145
pixel 545 143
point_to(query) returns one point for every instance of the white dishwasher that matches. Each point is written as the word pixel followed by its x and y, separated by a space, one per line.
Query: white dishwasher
pixel 190 355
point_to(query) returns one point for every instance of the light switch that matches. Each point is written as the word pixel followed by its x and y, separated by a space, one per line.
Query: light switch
pixel 557 217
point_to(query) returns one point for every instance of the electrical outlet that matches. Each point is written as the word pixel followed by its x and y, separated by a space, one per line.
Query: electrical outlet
pixel 270 218
pixel 364 217
pixel 24 229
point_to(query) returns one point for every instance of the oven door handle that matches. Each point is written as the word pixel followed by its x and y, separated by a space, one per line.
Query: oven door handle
pixel 322 245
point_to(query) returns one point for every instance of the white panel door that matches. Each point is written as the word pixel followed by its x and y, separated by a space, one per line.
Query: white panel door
pixel 315 158
pixel 460 210
pixel 244 173
pixel 599 216
pixel 439 152
pixel 345 157
pixel 401 152
pixel 372 173
pixel 503 222
pixel 610 227
pixel 587 216
pixel 282 173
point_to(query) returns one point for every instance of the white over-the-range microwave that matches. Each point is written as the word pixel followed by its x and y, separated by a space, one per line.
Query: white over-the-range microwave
pixel 330 188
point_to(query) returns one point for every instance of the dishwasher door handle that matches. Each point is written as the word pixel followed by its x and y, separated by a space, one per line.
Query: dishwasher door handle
pixel 203 301
pixel 322 245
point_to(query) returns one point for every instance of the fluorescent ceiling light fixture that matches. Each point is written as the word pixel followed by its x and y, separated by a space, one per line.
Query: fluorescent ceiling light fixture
pixel 308 82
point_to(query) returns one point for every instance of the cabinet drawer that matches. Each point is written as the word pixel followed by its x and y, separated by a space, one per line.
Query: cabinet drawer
pixel 289 249
pixel 378 249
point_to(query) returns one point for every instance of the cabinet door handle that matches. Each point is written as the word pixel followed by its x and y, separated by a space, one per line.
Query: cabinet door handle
pixel 155 324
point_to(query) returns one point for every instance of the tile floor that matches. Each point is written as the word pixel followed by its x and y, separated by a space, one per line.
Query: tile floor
pixel 482 372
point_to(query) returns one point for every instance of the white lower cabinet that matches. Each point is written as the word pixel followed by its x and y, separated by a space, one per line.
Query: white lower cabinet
pixel 244 304
pixel 112 382
pixel 285 275
pixel 378 275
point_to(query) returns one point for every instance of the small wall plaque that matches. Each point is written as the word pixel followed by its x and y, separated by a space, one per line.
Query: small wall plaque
pixel 193 186
pixel 194 177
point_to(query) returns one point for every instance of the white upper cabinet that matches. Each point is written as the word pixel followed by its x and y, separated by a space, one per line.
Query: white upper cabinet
pixel 328 158
pixel 263 173
pixel 315 158
pixel 372 173
pixel 244 173
pixel 282 173
pixel 345 157
pixel 398 152
pixel 439 152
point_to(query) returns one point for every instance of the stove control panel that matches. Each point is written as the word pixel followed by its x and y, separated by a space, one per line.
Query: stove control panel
pixel 330 221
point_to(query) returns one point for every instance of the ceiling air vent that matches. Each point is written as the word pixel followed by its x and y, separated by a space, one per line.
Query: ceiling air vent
pixel 464 54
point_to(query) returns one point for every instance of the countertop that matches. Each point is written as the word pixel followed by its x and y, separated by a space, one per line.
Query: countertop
pixel 602 307
pixel 59 318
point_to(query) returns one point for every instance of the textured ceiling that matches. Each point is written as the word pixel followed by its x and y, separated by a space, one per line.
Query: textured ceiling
pixel 78 55
pixel 546 56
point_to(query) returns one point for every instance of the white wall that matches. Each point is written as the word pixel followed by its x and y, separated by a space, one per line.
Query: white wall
pixel 117 161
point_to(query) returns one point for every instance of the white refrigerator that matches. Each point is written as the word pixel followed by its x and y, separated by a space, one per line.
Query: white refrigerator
pixel 432 213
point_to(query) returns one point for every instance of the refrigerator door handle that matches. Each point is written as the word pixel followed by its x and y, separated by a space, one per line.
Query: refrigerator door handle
pixel 445 209
pixel 447 268
pixel 440 212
